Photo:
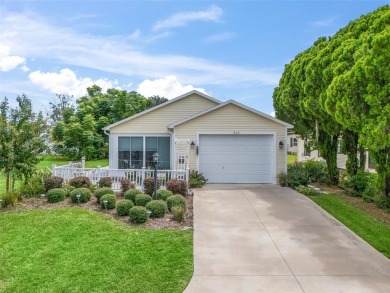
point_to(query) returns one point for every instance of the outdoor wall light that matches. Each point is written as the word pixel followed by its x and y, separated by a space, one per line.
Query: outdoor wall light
pixel 192 145
pixel 281 144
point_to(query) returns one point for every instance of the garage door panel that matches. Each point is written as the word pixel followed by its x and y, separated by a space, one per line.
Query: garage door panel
pixel 236 158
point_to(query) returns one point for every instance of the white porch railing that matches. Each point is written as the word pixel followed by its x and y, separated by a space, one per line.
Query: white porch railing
pixel 136 176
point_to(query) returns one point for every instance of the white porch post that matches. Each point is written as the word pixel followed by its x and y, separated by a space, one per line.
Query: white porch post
pixel 53 169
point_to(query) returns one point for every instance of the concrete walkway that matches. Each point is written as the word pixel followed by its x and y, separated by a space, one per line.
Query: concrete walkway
pixel 265 238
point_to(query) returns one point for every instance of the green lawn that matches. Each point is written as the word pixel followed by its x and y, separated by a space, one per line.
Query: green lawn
pixel 374 232
pixel 291 158
pixel 78 250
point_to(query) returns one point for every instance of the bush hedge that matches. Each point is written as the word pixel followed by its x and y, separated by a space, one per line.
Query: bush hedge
pixel 176 200
pixel 138 215
pixel 157 207
pixel 149 185
pixel 123 207
pixel 111 201
pixel 142 199
pixel 177 186
pixel 317 170
pixel 52 182
pixel 126 184
pixel 178 213
pixel 163 194
pixel 80 182
pixel 297 175
pixel 85 195
pixel 196 179
pixel 56 195
pixel 131 193
pixel 103 191
pixel 105 182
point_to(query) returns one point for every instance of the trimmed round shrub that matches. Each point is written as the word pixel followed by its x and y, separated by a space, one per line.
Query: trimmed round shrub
pixel 123 207
pixel 297 175
pixel 85 195
pixel 138 215
pixel 157 207
pixel 142 199
pixel 52 182
pixel 56 195
pixel 176 200
pixel 163 194
pixel 126 184
pixel 105 182
pixel 111 201
pixel 178 213
pixel 131 193
pixel 149 185
pixel 79 182
pixel 177 186
pixel 103 191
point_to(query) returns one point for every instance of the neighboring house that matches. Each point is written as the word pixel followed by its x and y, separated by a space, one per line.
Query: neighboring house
pixel 226 141
pixel 305 154
pixel 292 143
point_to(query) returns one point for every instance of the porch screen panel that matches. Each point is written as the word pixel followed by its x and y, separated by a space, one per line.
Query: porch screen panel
pixel 164 151
pixel 123 152
pixel 150 148
pixel 137 152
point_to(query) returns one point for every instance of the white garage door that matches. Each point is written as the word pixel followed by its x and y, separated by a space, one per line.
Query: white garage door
pixel 237 158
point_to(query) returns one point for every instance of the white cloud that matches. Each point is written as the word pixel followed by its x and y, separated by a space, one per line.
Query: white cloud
pixel 182 18
pixel 168 87
pixel 8 62
pixel 218 37
pixel 272 114
pixel 66 82
pixel 323 23
pixel 25 68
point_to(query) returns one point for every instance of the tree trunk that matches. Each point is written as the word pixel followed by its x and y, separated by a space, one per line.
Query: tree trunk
pixel 327 145
pixel 7 183
pixel 362 158
pixel 382 165
pixel 351 145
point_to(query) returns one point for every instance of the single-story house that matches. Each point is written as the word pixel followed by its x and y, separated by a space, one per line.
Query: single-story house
pixel 226 141
pixel 292 143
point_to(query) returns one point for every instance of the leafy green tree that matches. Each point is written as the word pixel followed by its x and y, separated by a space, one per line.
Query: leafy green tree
pixel 23 135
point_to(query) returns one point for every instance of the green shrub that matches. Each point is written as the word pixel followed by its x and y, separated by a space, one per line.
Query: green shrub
pixel 307 191
pixel 282 179
pixel 196 179
pixel 177 186
pixel 382 202
pixel 34 185
pixel 80 182
pixel 103 191
pixel 149 185
pixel 56 195
pixel 176 200
pixel 111 201
pixel 157 207
pixel 85 195
pixel 297 175
pixel 68 189
pixel 126 184
pixel 105 182
pixel 317 170
pixel 52 182
pixel 360 182
pixel 131 193
pixel 138 215
pixel 163 194
pixel 10 198
pixel 123 207
pixel 178 213
pixel 142 199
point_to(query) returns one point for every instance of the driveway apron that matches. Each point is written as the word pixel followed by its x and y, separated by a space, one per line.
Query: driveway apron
pixel 265 238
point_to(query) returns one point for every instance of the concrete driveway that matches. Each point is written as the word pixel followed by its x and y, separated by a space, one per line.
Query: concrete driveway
pixel 265 238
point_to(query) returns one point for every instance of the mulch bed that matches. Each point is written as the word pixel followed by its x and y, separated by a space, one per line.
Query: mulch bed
pixel 153 223
pixel 381 215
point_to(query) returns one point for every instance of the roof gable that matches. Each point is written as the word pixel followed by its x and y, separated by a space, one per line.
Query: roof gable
pixel 162 105
pixel 171 126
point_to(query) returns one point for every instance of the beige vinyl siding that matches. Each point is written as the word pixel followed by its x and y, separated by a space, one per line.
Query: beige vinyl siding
pixel 233 118
pixel 157 121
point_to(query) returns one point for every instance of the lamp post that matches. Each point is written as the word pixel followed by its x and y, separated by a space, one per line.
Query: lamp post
pixel 155 161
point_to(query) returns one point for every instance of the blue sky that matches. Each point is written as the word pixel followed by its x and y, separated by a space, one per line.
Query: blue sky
pixel 227 49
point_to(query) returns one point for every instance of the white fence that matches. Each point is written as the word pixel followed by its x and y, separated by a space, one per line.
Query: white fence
pixel 136 176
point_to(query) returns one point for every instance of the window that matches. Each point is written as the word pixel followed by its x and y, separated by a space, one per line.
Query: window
pixel 293 142
pixel 137 151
